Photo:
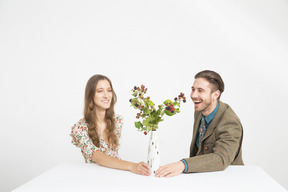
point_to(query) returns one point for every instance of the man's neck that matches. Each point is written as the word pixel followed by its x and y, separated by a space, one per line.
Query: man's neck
pixel 210 109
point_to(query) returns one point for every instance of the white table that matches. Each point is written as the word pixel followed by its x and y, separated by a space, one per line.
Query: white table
pixel 92 177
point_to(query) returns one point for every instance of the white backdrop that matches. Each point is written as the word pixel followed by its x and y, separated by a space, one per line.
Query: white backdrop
pixel 50 48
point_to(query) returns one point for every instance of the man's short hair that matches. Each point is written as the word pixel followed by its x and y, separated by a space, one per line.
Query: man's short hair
pixel 214 79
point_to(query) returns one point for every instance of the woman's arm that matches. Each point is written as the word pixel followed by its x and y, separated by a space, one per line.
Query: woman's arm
pixel 111 162
pixel 90 152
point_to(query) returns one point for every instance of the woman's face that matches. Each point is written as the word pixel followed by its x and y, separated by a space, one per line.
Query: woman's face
pixel 103 95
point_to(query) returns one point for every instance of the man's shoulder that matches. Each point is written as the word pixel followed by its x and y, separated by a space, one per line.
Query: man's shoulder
pixel 224 111
pixel 227 111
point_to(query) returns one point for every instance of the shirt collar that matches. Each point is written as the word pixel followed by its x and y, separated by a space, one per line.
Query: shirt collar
pixel 209 117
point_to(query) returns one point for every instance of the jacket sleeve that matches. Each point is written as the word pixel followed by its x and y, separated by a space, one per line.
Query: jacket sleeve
pixel 228 136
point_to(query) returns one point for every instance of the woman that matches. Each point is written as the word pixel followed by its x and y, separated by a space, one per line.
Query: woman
pixel 98 133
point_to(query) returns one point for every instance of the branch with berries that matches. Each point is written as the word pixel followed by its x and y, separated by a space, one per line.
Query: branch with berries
pixel 149 114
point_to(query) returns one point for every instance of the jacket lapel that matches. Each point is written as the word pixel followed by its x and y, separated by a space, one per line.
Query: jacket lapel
pixel 196 125
pixel 212 126
pixel 215 120
pixel 193 147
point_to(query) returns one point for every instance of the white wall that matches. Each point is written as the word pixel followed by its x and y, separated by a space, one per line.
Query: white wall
pixel 49 49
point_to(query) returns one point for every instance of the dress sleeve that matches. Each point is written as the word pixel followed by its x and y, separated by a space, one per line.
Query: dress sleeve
pixel 119 124
pixel 81 139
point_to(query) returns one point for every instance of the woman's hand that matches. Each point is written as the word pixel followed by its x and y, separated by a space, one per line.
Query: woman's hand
pixel 141 168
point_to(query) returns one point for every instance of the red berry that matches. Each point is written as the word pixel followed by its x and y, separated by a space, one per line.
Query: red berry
pixel 145 133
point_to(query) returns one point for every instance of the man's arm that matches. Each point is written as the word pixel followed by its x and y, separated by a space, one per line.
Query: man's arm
pixel 228 139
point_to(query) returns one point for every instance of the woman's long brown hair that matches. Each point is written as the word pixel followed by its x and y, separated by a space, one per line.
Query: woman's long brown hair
pixel 90 112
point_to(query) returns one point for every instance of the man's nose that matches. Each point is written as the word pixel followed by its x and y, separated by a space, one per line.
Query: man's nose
pixel 193 95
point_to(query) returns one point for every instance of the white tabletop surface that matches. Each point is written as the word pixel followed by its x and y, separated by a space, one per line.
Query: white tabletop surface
pixel 92 177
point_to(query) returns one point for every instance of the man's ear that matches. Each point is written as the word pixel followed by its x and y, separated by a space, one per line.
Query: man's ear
pixel 216 94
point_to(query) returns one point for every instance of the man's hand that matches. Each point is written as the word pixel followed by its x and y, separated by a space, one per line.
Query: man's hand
pixel 171 169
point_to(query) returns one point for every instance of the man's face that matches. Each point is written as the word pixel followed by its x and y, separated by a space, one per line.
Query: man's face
pixel 202 96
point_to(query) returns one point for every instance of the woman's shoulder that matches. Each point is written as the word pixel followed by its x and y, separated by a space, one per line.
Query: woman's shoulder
pixel 119 124
pixel 81 124
pixel 118 117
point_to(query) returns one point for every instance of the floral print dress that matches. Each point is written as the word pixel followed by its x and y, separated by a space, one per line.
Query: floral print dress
pixel 81 139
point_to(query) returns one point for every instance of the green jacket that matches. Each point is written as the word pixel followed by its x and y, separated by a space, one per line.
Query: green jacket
pixel 221 145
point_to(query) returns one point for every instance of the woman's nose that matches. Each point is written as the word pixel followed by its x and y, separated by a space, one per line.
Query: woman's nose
pixel 105 93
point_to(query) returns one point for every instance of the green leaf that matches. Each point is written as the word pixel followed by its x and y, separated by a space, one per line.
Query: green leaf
pixel 149 102
pixel 138 124
pixel 158 112
pixel 146 110
pixel 149 128
pixel 154 128
pixel 146 122
pixel 177 104
pixel 158 119
pixel 134 94
pixel 167 101
pixel 133 103
pixel 169 113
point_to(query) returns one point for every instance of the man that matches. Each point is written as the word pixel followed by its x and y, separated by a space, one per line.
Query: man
pixel 217 133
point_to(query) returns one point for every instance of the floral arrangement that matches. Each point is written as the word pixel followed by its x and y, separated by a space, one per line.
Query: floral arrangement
pixel 150 115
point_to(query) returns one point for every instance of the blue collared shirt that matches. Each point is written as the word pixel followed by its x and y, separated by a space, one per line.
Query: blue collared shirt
pixel 208 120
